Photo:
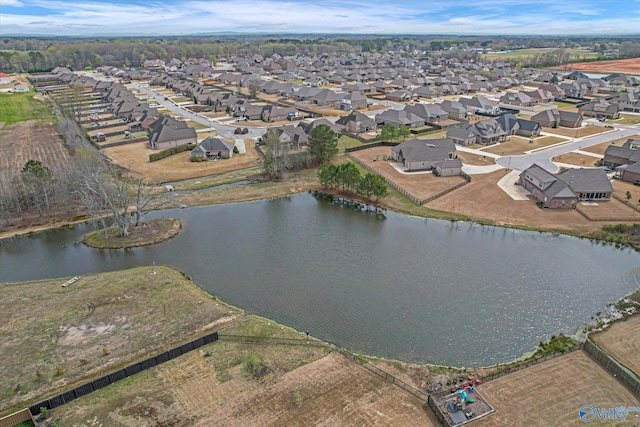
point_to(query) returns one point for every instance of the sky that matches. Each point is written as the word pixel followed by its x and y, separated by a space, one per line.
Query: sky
pixel 181 17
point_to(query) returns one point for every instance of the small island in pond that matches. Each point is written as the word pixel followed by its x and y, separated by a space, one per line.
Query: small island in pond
pixel 147 233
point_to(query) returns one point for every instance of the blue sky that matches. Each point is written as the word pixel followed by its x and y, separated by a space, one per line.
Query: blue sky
pixel 175 17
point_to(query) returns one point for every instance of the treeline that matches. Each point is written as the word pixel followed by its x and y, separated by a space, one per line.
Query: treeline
pixel 347 178
pixel 31 54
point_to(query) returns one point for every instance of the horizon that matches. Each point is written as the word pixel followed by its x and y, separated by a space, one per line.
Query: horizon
pixel 136 18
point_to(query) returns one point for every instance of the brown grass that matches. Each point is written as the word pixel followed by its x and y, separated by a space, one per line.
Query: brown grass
pixel 518 145
pixel 421 185
pixel 30 140
pixel 552 393
pixel 128 313
pixel 147 233
pixel 588 130
pixel 474 159
pixel 302 386
pixel 613 208
pixel 576 159
pixel 177 167
pixel 622 341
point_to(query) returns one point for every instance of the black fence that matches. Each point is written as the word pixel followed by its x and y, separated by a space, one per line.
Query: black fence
pixel 90 387
pixel 625 375
pixel 246 339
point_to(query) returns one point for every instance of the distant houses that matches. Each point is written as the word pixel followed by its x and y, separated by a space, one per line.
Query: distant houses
pixel 417 154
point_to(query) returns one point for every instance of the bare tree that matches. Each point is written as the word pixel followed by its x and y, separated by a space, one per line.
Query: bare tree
pixel 277 156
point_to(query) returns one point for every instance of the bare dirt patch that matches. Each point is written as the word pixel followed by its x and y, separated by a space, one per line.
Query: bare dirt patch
pixel 53 337
pixel 627 66
pixel 519 145
pixel 622 341
pixel 576 159
pixel 421 185
pixel 30 140
pixel 177 167
pixel 551 393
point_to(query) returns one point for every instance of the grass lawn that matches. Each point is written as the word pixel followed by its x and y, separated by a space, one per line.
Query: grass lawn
pixel 347 142
pixel 518 145
pixel 18 107
pixel 100 323
pixel 576 159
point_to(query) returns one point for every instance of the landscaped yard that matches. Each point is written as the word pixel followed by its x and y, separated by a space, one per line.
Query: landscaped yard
pixel 18 107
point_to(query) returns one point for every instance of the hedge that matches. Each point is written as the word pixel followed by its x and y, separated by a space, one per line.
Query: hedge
pixel 169 152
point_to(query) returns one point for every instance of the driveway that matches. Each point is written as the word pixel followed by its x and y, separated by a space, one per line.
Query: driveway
pixel 224 131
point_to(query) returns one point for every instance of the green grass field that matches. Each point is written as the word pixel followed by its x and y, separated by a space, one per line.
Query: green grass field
pixel 18 107
pixel 524 53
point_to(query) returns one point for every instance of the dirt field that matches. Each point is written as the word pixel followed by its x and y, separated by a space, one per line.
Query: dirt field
pixel 622 341
pixel 627 66
pixel 177 167
pixel 66 341
pixel 576 159
pixel 30 140
pixel 421 185
pixel 518 145
pixel 621 188
pixel 551 393
pixel 483 199
pixel 581 132
pixel 300 386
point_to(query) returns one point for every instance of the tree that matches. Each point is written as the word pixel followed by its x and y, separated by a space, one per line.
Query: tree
pixel 629 195
pixel 323 143
pixel 276 158
pixel 379 188
pixel 39 182
pixel 350 175
pixel 389 133
pixel 554 80
pixel 405 131
pixel 254 87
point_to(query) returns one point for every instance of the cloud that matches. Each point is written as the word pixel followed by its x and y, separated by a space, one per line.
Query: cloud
pixel 12 3
pixel 320 16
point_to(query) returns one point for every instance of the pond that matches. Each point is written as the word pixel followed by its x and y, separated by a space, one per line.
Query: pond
pixel 402 287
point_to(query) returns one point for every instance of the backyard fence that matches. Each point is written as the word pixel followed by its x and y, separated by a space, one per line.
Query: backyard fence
pixel 531 362
pixel 89 387
pixel 614 367
pixel 124 142
pixel 15 418
pixel 626 202
pixel 581 210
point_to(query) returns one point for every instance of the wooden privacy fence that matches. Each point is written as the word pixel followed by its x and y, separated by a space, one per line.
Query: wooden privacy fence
pixel 15 418
pixel 614 367
pixel 90 387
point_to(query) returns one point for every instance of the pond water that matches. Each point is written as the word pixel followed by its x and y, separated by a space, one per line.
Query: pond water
pixel 401 287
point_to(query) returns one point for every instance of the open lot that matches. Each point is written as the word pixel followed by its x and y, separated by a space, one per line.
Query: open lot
pixel 97 324
pixel 299 386
pixel 18 107
pixel 522 54
pixel 622 341
pixel 30 140
pixel 135 157
pixel 421 185
pixel 576 159
pixel 519 145
pixel 551 393
pixel 628 66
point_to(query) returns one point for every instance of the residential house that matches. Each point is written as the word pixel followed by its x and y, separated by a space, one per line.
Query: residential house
pixel 462 136
pixel 353 101
pixel 418 154
pixel 167 132
pixel 629 101
pixel 399 118
pixel 431 113
pixel 20 87
pixel 5 79
pixel 214 149
pixel 556 91
pixel 615 156
pixel 274 113
pixel 565 189
pixel 456 110
pixel 399 96
pixel 480 104
pixel 522 127
pixel 488 132
pixel 551 118
pixel 601 109
pixel 518 98
pixel 357 122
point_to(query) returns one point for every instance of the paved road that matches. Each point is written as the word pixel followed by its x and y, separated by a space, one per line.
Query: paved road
pixel 543 157
pixel 225 131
